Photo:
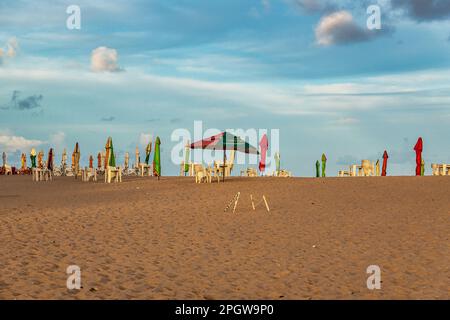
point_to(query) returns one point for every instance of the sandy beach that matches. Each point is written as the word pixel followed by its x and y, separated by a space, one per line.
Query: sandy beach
pixel 171 239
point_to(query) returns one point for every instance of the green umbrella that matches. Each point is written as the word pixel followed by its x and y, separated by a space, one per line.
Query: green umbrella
pixel 317 169
pixel 148 150
pixel 422 168
pixel 157 159
pixel 277 161
pixel 110 158
pixel 187 150
pixel 324 164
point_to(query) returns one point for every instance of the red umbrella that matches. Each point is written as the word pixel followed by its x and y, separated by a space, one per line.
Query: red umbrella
pixel 264 144
pixel 385 157
pixel 418 148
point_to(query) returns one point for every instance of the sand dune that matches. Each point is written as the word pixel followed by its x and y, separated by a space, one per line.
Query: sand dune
pixel 170 239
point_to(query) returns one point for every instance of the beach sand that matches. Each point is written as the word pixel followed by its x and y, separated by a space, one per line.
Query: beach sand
pixel 171 239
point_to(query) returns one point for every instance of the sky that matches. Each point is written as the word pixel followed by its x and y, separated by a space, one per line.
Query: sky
pixel 309 68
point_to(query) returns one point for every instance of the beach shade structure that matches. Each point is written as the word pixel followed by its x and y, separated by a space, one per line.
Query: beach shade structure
pixel 324 164
pixel 187 154
pixel 418 148
pixel 264 145
pixel 148 150
pixel 277 162
pixel 50 160
pixel 91 162
pixel 110 159
pixel 225 141
pixel 422 168
pixel 99 160
pixel 317 169
pixel 384 167
pixel 33 158
pixel 157 158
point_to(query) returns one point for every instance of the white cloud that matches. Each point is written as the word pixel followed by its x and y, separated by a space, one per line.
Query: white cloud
pixel 339 28
pixel 57 140
pixel 10 49
pixel 11 143
pixel 104 59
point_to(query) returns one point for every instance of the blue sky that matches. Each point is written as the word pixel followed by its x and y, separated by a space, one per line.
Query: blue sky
pixel 310 68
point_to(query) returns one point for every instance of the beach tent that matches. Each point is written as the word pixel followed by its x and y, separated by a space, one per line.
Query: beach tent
pixel 225 141
pixel 385 159
pixel 33 158
pixel 157 159
pixel 264 145
pixel 110 159
pixel 418 148
pixel 317 169
pixel 148 150
pixel 324 164
pixel 187 151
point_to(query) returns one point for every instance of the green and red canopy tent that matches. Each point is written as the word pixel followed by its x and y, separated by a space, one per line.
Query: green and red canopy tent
pixel 225 141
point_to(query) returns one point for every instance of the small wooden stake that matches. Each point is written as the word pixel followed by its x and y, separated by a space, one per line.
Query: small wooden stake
pixel 265 201
pixel 253 204
pixel 236 202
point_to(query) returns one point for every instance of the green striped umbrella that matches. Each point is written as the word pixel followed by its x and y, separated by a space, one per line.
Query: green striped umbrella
pixel 157 159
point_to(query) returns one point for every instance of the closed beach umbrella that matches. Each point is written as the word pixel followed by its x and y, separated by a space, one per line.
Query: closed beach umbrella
pixel 91 162
pixel 41 159
pixel 377 168
pixel 76 160
pixel 50 160
pixel 23 160
pixel 136 164
pixel 148 150
pixel 126 160
pixel 99 160
pixel 4 158
pixel 110 159
pixel 317 169
pixel 157 159
pixel 422 168
pixel 33 158
pixel 277 161
pixel 264 145
pixel 324 164
pixel 187 151
pixel 418 149
pixel 385 159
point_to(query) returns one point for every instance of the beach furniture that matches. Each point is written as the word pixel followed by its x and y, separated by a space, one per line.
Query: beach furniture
pixel 145 170
pixel 440 169
pixel 88 173
pixel 249 172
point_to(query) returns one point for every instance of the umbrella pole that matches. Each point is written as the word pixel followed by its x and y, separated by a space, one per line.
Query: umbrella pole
pixel 223 167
